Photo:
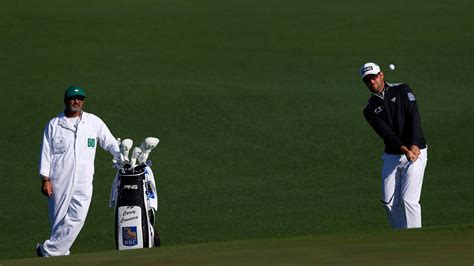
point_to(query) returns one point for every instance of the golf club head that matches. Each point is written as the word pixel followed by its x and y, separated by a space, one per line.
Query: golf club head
pixel 125 148
pixel 135 153
pixel 122 159
pixel 149 143
pixel 143 157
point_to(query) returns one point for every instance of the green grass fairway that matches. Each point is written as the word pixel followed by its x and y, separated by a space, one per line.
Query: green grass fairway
pixel 258 108
pixel 419 247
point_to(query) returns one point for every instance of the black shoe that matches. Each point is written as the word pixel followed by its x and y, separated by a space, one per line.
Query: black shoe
pixel 156 239
pixel 38 250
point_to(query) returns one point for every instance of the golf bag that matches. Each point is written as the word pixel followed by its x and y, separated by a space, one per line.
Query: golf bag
pixel 135 200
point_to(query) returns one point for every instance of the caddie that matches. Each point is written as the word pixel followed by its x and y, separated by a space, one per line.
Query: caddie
pixel 392 111
pixel 67 169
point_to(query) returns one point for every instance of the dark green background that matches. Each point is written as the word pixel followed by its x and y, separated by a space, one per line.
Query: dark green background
pixel 258 106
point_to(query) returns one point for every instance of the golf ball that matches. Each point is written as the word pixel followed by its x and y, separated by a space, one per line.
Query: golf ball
pixel 391 66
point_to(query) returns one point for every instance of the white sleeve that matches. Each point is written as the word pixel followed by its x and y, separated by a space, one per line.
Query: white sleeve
pixel 45 157
pixel 107 141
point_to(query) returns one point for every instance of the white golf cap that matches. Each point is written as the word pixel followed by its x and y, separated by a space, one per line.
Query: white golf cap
pixel 369 69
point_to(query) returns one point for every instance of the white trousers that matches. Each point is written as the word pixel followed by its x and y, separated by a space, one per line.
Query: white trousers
pixel 67 217
pixel 401 189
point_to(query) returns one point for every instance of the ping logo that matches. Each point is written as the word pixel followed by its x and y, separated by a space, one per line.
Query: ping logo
pixel 91 142
pixel 393 99
pixel 129 236
pixel 130 186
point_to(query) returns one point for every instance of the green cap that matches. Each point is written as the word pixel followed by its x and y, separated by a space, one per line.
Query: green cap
pixel 74 91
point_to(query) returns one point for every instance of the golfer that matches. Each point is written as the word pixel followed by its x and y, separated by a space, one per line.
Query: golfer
pixel 393 113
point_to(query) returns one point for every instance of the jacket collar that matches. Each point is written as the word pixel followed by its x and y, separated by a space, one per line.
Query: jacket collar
pixel 381 94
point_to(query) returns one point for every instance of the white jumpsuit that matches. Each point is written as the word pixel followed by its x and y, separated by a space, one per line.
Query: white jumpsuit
pixel 67 158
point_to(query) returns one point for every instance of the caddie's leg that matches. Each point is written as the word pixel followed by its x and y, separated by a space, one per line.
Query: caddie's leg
pixel 411 190
pixel 67 228
pixel 391 191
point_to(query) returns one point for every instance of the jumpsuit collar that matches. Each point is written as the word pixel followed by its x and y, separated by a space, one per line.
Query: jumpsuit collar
pixel 66 124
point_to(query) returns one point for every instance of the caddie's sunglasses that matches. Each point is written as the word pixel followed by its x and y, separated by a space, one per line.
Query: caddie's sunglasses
pixel 78 97
pixel 370 77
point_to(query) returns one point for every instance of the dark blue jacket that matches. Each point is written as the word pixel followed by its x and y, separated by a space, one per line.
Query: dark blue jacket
pixel 394 115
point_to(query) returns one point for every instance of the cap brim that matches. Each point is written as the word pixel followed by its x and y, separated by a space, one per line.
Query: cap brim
pixel 370 73
pixel 71 96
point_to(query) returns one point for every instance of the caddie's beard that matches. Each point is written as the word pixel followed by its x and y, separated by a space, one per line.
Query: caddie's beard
pixel 73 109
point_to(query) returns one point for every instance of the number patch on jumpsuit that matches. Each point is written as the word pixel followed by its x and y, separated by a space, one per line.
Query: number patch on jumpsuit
pixel 90 142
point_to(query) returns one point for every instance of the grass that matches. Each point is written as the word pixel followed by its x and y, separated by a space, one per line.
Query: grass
pixel 450 246
pixel 257 105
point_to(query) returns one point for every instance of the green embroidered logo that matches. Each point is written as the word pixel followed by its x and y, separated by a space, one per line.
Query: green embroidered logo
pixel 90 142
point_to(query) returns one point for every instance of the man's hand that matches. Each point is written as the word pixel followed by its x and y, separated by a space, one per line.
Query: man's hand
pixel 412 155
pixel 415 149
pixel 46 187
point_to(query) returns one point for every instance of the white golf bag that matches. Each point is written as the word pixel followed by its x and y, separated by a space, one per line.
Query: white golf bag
pixel 135 200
